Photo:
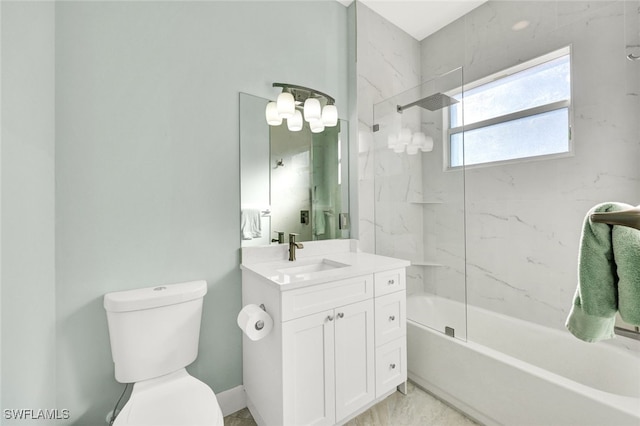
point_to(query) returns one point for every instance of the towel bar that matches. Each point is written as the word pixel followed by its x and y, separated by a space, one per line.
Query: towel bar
pixel 630 218
pixel 625 332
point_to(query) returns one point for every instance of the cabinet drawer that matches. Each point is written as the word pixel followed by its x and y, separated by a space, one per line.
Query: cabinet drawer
pixel 389 281
pixel 391 365
pixel 390 311
pixel 317 298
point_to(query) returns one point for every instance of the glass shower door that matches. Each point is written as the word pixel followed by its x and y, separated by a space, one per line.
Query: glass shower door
pixel 419 201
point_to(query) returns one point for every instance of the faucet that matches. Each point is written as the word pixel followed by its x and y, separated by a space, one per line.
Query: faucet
pixel 292 246
pixel 280 239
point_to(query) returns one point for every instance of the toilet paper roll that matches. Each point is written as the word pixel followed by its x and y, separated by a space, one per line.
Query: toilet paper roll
pixel 254 322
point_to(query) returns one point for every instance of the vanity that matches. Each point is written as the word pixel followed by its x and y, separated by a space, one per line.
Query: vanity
pixel 338 343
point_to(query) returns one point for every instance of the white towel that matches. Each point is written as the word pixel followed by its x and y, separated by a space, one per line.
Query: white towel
pixel 250 224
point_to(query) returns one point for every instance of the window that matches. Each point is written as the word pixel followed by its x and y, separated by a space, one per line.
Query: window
pixel 521 112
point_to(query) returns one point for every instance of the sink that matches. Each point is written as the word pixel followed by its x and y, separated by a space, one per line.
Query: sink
pixel 315 266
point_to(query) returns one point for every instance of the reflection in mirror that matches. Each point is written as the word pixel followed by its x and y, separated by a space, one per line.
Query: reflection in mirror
pixel 291 182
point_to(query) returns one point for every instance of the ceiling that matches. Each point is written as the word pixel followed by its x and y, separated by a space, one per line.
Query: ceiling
pixel 420 18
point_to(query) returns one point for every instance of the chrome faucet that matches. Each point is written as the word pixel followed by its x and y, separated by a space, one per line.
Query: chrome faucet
pixel 292 246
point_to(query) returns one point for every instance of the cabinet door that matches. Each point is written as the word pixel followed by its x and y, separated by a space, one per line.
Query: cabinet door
pixel 354 362
pixel 390 317
pixel 308 370
pixel 391 365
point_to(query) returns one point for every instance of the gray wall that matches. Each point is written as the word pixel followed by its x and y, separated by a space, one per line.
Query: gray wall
pixel 146 173
pixel 27 197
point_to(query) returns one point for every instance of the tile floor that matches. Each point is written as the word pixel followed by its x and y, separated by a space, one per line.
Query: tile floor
pixel 416 408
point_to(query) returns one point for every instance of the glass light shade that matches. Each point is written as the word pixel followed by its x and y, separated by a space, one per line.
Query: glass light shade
pixel 294 123
pixel 330 115
pixel 316 126
pixel 392 141
pixel 412 149
pixel 418 139
pixel 399 148
pixel 312 110
pixel 286 105
pixel 427 144
pixel 271 112
pixel 405 136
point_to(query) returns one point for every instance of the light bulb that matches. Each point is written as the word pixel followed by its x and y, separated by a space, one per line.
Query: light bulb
pixel 412 149
pixel 330 115
pixel 271 113
pixel 399 148
pixel 286 105
pixel 294 123
pixel 316 126
pixel 312 111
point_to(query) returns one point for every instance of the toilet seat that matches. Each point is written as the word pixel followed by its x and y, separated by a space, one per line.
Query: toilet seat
pixel 176 399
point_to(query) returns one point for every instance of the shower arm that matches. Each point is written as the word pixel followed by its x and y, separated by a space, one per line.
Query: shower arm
pixel 630 218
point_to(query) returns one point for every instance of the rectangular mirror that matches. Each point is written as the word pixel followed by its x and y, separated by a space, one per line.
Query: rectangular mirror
pixel 291 182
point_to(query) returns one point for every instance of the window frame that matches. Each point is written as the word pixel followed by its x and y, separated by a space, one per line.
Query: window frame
pixel 529 112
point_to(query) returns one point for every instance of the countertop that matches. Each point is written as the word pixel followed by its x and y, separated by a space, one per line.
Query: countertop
pixel 286 275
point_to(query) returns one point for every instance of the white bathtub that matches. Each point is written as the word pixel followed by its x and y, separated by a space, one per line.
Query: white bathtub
pixel 516 373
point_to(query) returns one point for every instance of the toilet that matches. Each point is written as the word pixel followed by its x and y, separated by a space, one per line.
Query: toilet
pixel 154 334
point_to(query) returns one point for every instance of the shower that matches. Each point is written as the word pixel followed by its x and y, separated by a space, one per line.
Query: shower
pixel 432 103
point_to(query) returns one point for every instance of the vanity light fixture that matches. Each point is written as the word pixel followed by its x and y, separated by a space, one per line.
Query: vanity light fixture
pixel 409 141
pixel 296 102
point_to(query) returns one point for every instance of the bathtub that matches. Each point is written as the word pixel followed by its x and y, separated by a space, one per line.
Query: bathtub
pixel 516 373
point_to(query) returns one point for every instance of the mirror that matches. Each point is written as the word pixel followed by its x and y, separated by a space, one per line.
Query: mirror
pixel 291 182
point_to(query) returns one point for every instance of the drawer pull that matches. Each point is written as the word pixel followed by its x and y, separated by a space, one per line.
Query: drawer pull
pixel 330 318
pixel 340 314
pixel 391 282
pixel 392 318
pixel 392 366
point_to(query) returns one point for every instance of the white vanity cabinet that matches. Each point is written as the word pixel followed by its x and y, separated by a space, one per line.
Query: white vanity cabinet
pixel 328 364
pixel 338 343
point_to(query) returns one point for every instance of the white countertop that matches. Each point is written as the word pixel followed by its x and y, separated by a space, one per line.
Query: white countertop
pixel 287 275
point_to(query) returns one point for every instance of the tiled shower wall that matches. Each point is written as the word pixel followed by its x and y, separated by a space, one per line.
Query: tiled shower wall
pixel 523 220
pixel 388 63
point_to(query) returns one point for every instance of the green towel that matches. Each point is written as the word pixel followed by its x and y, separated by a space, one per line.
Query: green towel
pixel 608 278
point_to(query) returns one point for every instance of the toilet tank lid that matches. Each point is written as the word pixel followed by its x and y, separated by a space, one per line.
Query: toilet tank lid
pixel 154 297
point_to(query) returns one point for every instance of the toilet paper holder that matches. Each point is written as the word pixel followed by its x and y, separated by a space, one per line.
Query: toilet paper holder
pixel 260 324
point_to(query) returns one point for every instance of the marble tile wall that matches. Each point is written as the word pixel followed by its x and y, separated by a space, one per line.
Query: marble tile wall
pixel 523 220
pixel 388 64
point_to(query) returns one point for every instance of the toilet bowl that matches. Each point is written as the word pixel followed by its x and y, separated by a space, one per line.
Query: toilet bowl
pixel 176 399
pixel 154 334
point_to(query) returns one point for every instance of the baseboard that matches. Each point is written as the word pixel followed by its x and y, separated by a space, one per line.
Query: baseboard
pixel 232 400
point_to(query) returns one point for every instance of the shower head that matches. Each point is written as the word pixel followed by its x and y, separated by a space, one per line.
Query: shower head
pixel 432 103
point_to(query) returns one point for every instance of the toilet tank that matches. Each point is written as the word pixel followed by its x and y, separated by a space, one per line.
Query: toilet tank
pixel 155 330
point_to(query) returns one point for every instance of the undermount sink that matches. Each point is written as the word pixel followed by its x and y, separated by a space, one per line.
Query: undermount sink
pixel 315 266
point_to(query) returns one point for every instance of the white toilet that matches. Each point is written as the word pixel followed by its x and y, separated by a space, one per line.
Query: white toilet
pixel 154 335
